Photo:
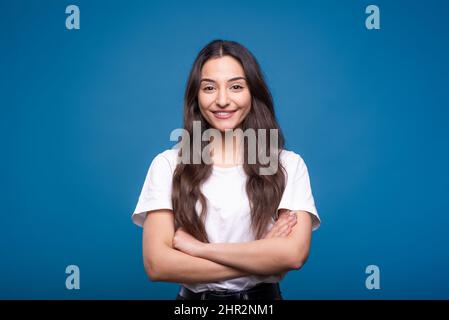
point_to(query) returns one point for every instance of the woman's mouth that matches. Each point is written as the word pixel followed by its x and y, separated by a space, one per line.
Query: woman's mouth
pixel 223 115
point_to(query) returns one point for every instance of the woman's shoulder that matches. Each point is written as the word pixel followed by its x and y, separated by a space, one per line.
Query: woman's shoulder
pixel 290 157
pixel 167 157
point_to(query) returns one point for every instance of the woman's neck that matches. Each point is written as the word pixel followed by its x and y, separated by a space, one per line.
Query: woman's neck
pixel 227 152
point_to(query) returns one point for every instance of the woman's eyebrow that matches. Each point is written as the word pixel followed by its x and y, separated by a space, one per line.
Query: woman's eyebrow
pixel 232 79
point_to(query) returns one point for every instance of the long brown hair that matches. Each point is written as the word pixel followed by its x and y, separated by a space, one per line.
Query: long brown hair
pixel 264 191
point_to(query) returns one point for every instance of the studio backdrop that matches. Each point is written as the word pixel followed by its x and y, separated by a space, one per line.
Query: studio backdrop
pixel 91 90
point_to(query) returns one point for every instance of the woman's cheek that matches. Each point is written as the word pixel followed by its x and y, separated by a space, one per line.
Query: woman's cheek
pixel 245 101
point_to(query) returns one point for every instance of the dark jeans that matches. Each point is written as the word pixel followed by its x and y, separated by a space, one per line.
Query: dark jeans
pixel 252 294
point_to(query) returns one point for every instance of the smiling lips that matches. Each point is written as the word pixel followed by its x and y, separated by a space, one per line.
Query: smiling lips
pixel 222 115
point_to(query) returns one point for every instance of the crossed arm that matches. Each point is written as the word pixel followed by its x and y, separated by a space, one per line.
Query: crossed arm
pixel 176 256
pixel 163 262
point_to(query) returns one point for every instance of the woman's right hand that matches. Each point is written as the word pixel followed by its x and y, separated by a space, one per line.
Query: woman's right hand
pixel 283 225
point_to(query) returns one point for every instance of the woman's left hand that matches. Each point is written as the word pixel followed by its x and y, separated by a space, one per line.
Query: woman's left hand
pixel 186 243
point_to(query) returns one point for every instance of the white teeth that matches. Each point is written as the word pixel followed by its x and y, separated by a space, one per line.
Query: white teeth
pixel 223 113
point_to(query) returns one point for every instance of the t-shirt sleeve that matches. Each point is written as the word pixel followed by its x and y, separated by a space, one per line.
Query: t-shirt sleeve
pixel 298 195
pixel 156 190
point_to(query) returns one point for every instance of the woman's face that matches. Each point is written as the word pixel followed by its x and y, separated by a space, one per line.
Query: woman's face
pixel 224 98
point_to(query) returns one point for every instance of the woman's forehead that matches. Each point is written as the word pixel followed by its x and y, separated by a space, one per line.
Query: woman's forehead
pixel 222 69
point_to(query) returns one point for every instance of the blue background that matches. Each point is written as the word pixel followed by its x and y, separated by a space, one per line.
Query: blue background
pixel 83 113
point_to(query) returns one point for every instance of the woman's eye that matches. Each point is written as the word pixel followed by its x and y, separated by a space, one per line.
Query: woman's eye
pixel 237 87
pixel 208 88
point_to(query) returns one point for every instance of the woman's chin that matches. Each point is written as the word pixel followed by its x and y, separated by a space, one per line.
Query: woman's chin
pixel 223 127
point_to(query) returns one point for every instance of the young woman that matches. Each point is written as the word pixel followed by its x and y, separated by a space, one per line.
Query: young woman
pixel 223 229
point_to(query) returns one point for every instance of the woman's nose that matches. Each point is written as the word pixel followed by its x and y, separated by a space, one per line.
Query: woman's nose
pixel 222 99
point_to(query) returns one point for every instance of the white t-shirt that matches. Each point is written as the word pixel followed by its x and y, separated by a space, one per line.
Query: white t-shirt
pixel 228 214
